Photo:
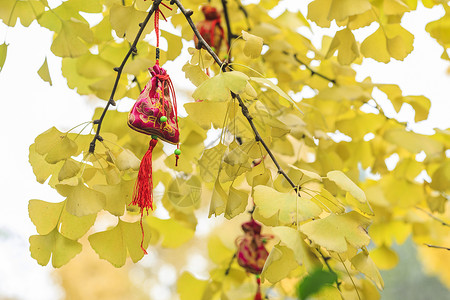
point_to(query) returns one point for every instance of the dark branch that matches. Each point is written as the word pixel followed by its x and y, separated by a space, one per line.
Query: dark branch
pixel 258 138
pixel 230 34
pixel 333 81
pixel 443 223
pixel 227 271
pixel 244 108
pixel 244 11
pixel 438 247
pixel 119 70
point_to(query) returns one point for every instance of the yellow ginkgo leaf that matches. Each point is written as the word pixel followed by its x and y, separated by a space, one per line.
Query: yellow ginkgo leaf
pixel 69 169
pixel 236 202
pixel 440 30
pixel 344 41
pixel 218 87
pixel 118 196
pixel 384 257
pixel 127 160
pixel 185 194
pixel 194 73
pixel 55 145
pixel 440 179
pixel 335 231
pixel 25 10
pixel 125 21
pixel 114 244
pixel 266 82
pixel 200 57
pixel 44 215
pixel 190 288
pixel 71 40
pixel 280 262
pixel 293 239
pixel 363 263
pixel 44 73
pixel 390 40
pixel 73 227
pixel 291 20
pixel 347 185
pixel 285 207
pixel 218 200
pixel 395 7
pixel 412 141
pixel 174 50
pixel 53 244
pixel 82 200
pixel 253 44
pixel 421 105
pixel 323 11
pixel 172 232
pixel 3 51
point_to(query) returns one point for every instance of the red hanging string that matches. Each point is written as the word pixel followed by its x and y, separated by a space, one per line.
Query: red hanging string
pixel 165 79
pixel 142 194
pixel 258 295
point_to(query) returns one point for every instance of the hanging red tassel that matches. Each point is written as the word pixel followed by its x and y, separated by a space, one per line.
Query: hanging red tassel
pixel 258 291
pixel 143 189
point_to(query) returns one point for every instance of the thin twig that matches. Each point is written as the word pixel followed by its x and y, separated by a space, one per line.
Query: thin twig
pixel 258 138
pixel 230 34
pixel 119 70
pixel 349 275
pixel 438 247
pixel 325 259
pixel 245 112
pixel 313 72
pixel 244 11
pixel 433 217
pixel 227 271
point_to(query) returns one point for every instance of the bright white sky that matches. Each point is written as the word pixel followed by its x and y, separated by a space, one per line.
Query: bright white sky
pixel 30 106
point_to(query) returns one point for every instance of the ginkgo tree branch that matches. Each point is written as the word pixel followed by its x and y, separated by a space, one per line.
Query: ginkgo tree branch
pixel 119 70
pixel 313 72
pixel 244 109
pixel 230 34
pixel 437 247
pixel 443 223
